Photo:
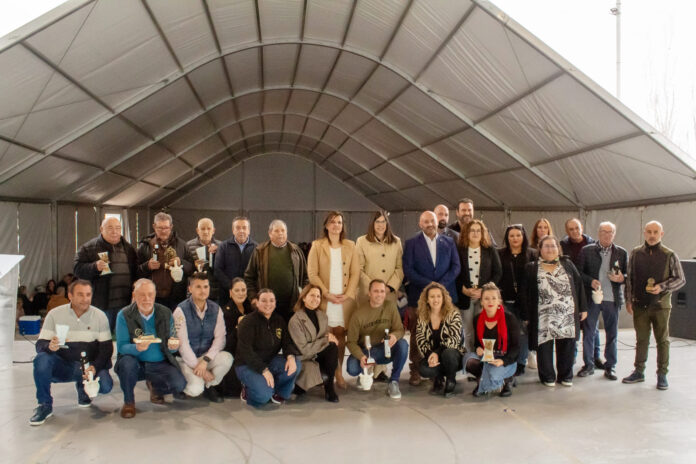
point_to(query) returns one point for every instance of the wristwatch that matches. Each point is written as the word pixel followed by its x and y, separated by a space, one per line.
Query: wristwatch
pixel 206 359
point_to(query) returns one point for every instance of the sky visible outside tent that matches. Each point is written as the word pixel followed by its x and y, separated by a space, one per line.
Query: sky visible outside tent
pixel 658 66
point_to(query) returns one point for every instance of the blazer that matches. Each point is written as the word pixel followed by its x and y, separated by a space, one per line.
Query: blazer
pixel 529 297
pixel 378 260
pixel 310 343
pixel 591 262
pixel 490 270
pixel 419 268
pixel 319 271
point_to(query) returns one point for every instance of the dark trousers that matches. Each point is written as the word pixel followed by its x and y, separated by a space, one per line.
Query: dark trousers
pixel 165 378
pixel 657 319
pixel 51 368
pixel 258 391
pixel 450 362
pixel 413 352
pixel 590 349
pixel 328 360
pixel 565 355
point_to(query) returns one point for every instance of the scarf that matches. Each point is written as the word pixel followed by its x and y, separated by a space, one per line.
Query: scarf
pixel 498 317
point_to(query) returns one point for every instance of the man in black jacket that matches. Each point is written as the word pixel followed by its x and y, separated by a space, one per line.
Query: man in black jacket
pixel 264 373
pixel 109 262
pixel 233 257
pixel 603 266
pixel 205 238
pixel 159 255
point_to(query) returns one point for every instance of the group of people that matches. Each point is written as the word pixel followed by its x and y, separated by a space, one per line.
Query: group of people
pixel 265 321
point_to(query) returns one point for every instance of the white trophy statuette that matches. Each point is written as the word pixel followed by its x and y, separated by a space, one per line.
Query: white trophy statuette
pixel 488 344
pixel 91 385
pixel 104 257
pixel 597 296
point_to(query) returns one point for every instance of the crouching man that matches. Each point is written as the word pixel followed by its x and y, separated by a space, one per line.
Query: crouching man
pixel 201 330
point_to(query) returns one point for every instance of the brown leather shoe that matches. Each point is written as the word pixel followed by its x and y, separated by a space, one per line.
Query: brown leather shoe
pixel 128 410
pixel 154 397
pixel 415 379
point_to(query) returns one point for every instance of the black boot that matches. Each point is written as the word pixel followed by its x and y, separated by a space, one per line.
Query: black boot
pixel 299 391
pixel 329 392
pixel 507 387
pixel 438 382
pixel 450 383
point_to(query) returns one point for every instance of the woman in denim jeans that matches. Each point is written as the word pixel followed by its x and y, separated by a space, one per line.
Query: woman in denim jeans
pixel 495 324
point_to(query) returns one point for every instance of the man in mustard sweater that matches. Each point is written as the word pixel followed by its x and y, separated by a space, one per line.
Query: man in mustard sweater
pixel 373 319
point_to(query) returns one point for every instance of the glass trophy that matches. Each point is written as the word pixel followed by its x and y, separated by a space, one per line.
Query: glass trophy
pixel 104 257
pixel 201 261
pixel 488 345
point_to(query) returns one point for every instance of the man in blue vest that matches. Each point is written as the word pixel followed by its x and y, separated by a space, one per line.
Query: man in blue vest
pixel 200 327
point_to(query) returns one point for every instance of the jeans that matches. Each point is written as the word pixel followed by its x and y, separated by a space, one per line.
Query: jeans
pixel 450 362
pixel 565 347
pixel 399 355
pixel 590 350
pixel 51 368
pixel 643 320
pixel 492 377
pixel 258 391
pixel 164 377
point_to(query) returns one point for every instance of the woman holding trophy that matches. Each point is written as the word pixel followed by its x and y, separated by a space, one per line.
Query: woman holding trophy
pixel 332 265
pixel 497 346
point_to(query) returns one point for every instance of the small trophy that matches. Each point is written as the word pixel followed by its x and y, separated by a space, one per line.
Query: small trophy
pixel 141 337
pixel 370 360
pixel 104 257
pixel 179 320
pixel 201 261
pixel 488 344
pixel 651 285
pixel 615 269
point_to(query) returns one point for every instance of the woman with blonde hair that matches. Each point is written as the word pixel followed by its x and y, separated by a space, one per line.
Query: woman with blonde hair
pixel 332 265
pixel 541 229
pixel 379 254
pixel 497 372
pixel 439 338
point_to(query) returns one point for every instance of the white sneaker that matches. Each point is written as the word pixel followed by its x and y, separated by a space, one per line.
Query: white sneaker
pixel 549 384
pixel 393 390
pixel 532 360
pixel 567 383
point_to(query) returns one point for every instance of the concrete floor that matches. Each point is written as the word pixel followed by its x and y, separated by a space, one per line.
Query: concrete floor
pixel 595 421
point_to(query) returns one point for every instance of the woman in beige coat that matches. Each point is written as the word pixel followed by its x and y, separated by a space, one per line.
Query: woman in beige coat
pixel 332 265
pixel 308 328
pixel 379 255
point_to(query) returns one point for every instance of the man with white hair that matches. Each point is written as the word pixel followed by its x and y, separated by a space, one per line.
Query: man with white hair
pixel 280 265
pixel 603 267
pixel 205 238
pixel 109 263
pixel 654 272
pixel 158 253
pixel 428 257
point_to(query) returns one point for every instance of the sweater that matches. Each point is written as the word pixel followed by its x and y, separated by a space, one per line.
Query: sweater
pixel 513 338
pixel 450 334
pixel 259 340
pixel 160 324
pixel 373 321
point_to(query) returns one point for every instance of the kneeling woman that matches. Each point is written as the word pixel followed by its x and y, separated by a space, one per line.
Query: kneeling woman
pixel 494 324
pixel 308 328
pixel 439 338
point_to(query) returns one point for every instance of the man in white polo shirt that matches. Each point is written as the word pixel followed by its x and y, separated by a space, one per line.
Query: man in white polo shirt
pixel 88 332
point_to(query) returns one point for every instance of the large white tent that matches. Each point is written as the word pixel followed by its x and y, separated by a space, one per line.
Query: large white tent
pixel 287 108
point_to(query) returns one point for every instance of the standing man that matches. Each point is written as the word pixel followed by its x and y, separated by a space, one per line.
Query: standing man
pixel 654 273
pixel 157 253
pixel 146 349
pixel 88 331
pixel 372 319
pixel 112 277
pixel 603 266
pixel 442 214
pixel 572 245
pixel 465 213
pixel 233 256
pixel 205 231
pixel 428 257
pixel 201 331
pixel 280 265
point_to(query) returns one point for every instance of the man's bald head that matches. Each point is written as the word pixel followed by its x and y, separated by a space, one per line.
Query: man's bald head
pixel 442 214
pixel 428 223
pixel 111 230
pixel 653 233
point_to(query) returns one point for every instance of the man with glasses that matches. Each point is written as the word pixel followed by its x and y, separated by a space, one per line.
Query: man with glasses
pixel 159 256
pixel 603 267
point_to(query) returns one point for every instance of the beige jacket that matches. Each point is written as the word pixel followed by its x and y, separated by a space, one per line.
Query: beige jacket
pixel 379 261
pixel 319 271
pixel 309 342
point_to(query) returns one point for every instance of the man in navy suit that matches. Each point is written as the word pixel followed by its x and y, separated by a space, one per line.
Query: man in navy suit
pixel 428 257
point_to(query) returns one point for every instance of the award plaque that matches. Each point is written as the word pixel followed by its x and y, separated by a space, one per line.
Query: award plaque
pixel 488 345
pixel 140 337
pixel 104 257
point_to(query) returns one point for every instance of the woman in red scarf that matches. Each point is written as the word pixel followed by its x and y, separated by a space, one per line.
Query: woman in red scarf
pixel 503 328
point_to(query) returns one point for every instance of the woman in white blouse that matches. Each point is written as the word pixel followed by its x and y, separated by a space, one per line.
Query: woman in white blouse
pixel 379 254
pixel 332 265
pixel 480 265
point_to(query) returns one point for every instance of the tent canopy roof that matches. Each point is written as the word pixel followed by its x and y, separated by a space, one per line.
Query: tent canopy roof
pixel 134 102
